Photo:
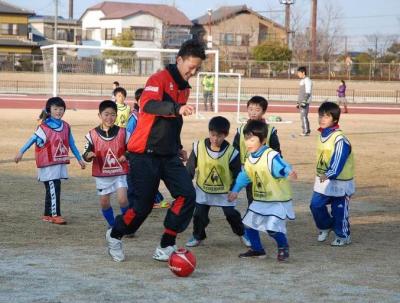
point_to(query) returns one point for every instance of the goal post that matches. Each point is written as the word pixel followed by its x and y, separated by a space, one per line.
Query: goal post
pixel 216 91
pixel 92 60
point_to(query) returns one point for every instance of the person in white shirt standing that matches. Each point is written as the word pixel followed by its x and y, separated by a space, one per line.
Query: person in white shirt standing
pixel 304 99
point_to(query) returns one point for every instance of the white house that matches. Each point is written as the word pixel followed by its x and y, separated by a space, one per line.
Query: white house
pixel 154 26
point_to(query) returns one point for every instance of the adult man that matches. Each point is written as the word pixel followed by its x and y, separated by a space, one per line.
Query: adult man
pixel 304 99
pixel 156 153
pixel 208 91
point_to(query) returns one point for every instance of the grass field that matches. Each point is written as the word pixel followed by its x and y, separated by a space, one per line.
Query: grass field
pixel 41 262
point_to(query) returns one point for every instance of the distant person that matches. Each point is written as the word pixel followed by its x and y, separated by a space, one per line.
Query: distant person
pixel 115 85
pixel 52 139
pixel 304 99
pixel 334 181
pixel 208 91
pixel 341 91
pixel 124 110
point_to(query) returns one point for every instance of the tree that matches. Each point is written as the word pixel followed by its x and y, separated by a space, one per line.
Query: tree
pixel 122 59
pixel 272 51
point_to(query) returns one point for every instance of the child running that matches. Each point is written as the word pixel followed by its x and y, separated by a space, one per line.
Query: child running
pixel 272 194
pixel 106 147
pixel 123 109
pixel 334 182
pixel 216 164
pixel 53 138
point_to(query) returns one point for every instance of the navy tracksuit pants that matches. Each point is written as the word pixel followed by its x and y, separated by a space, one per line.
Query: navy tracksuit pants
pixel 337 220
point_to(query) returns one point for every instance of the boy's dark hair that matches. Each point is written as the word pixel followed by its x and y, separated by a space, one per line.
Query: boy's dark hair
pixel 107 104
pixel 344 83
pixel 256 128
pixel 119 90
pixel 302 69
pixel 116 83
pixel 138 93
pixel 192 48
pixel 331 109
pixel 261 101
pixel 219 125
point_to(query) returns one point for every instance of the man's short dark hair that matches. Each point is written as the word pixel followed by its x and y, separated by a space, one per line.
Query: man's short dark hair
pixel 107 104
pixel 302 69
pixel 138 93
pixel 192 48
pixel 256 128
pixel 119 90
pixel 219 125
pixel 331 109
pixel 261 101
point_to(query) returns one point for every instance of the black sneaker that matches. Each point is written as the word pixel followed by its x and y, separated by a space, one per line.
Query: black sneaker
pixel 283 254
pixel 253 254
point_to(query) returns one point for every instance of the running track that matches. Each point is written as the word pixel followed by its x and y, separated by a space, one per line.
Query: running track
pixel 87 102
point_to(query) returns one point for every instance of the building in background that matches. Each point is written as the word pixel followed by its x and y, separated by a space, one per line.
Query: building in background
pixel 153 26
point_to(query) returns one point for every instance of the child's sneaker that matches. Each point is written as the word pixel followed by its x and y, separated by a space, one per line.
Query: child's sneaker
pixel 254 254
pixel 193 242
pixel 58 220
pixel 341 241
pixel 162 254
pixel 162 204
pixel 283 253
pixel 245 240
pixel 46 219
pixel 114 247
pixel 323 235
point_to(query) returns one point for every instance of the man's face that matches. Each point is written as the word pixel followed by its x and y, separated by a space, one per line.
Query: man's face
pixel 188 67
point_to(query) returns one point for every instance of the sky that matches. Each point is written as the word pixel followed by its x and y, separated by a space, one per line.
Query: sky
pixel 359 17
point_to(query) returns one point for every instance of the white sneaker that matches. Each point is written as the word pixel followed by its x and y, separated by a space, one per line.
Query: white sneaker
pixel 323 235
pixel 193 242
pixel 245 241
pixel 341 241
pixel 114 247
pixel 162 254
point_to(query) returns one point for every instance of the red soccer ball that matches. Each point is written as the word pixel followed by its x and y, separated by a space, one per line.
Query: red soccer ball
pixel 182 262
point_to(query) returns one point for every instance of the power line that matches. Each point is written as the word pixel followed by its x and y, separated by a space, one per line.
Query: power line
pixel 363 17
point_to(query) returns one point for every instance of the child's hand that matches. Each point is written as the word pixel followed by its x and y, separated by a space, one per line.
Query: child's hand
pixel 18 157
pixel 90 155
pixel 183 155
pixel 232 196
pixel 293 175
pixel 122 159
pixel 323 178
pixel 82 164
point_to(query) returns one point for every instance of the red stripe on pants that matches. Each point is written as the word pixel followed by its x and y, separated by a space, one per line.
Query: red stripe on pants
pixel 129 216
pixel 177 205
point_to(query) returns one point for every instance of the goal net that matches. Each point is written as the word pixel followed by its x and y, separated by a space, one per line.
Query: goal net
pixel 86 70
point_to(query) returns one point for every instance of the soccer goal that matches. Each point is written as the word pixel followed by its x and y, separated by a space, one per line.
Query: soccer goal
pixel 91 69
pixel 232 91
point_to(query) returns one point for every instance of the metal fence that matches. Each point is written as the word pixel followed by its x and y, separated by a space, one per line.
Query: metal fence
pixel 248 68
pixel 225 93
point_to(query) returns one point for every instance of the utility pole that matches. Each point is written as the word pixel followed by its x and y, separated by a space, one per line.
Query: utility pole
pixel 314 31
pixel 287 4
pixel 55 21
pixel 71 9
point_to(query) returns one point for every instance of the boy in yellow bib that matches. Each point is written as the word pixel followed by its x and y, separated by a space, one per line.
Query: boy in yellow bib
pixel 272 194
pixel 334 181
pixel 215 163
pixel 123 109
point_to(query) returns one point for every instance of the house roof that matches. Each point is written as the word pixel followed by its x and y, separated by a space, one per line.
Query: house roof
pixel 120 10
pixel 226 12
pixel 7 8
pixel 50 19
